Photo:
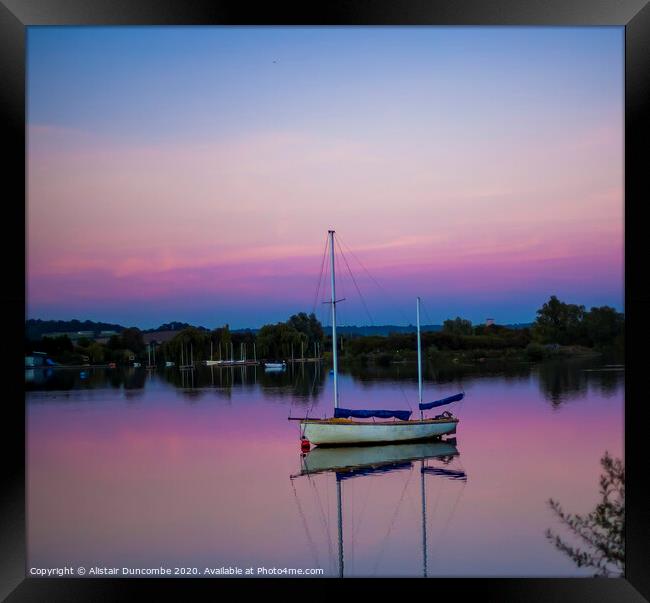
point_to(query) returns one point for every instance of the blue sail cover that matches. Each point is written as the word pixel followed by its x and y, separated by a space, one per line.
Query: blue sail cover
pixel 449 400
pixel 450 473
pixel 343 475
pixel 346 413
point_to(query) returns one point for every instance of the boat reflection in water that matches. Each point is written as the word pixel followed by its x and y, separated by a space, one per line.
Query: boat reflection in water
pixel 361 461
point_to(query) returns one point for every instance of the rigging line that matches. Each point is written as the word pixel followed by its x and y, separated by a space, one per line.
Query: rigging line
pixel 323 313
pixel 340 294
pixel 320 278
pixel 324 521
pixel 426 314
pixel 437 500
pixel 392 522
pixel 405 397
pixel 460 381
pixel 363 509
pixel 443 532
pixel 313 394
pixel 340 282
pixel 453 510
pixel 310 540
pixel 409 496
pixel 438 495
pixel 354 281
pixel 374 280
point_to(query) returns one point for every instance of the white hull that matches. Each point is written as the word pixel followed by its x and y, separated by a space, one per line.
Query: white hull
pixel 338 433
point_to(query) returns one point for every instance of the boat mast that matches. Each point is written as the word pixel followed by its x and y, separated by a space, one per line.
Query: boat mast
pixel 419 359
pixel 334 350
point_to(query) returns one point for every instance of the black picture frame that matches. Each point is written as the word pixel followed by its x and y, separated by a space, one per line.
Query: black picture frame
pixel 16 15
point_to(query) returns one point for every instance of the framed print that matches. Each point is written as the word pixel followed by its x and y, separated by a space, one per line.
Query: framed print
pixel 352 295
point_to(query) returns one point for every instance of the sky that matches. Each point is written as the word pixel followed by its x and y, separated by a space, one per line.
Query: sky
pixel 192 173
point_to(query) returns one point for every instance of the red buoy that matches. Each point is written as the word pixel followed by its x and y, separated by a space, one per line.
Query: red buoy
pixel 305 444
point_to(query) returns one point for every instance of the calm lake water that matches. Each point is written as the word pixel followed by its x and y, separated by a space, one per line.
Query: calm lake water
pixel 127 468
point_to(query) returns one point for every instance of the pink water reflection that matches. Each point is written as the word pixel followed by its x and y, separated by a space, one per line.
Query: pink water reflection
pixel 163 479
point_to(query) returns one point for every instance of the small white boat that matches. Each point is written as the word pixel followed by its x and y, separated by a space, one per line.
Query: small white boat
pixel 342 429
pixel 275 366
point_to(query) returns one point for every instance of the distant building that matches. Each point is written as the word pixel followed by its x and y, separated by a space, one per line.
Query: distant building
pixel 489 322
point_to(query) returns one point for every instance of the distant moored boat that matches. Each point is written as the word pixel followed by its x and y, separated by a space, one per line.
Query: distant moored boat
pixel 275 366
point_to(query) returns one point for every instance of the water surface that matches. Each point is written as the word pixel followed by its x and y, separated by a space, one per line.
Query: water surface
pixel 128 468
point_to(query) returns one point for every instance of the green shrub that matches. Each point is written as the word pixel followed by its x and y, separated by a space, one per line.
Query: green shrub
pixel 535 351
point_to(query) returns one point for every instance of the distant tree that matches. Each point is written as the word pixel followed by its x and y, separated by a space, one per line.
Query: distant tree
pixel 114 342
pixel 457 326
pixel 603 325
pixel 131 339
pixel 309 325
pixel 493 329
pixel 602 531
pixel 96 352
pixel 558 322
pixel 172 326
pixel 225 336
pixel 188 344
pixel 124 356
pixel 275 341
pixel 221 337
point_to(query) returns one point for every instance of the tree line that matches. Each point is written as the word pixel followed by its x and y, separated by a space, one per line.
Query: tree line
pixel 557 324
pixel 301 333
pixel 558 327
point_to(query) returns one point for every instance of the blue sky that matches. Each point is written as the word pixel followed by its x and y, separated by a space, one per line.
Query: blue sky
pixel 190 173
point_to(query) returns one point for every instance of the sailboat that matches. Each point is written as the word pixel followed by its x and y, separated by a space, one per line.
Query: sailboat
pixel 358 461
pixel 342 429
pixel 275 366
pixel 211 362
